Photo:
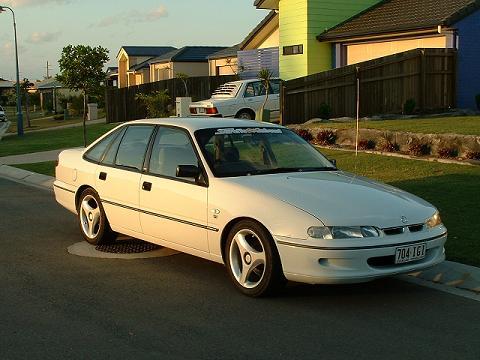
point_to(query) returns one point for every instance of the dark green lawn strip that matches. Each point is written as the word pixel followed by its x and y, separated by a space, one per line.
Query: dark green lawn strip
pixel 50 140
pixel 453 189
pixel 46 168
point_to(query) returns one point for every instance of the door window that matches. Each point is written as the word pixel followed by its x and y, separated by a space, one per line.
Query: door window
pixel 132 149
pixel 109 157
pixel 172 147
pixel 255 89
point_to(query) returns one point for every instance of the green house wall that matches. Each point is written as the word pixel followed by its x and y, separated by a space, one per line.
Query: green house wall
pixel 300 23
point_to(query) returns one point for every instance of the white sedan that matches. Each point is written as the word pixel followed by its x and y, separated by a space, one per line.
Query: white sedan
pixel 240 99
pixel 253 196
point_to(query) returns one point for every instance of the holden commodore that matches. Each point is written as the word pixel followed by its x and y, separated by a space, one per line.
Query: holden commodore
pixel 253 196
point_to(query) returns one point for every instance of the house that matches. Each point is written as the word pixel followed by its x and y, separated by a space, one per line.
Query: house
pixel 259 49
pixel 300 21
pixel 394 26
pixel 112 76
pixel 5 85
pixel 130 57
pixel 189 60
pixel 51 92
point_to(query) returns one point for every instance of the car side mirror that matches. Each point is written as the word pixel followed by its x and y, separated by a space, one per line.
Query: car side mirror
pixel 188 171
pixel 334 162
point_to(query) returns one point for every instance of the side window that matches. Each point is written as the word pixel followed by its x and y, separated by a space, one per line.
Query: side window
pixel 133 147
pixel 172 147
pixel 109 158
pixel 275 87
pixel 96 152
pixel 255 89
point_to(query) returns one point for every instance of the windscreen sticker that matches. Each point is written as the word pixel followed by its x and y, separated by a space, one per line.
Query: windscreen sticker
pixel 230 131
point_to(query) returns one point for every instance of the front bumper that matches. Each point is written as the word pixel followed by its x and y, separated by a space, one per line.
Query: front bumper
pixel 352 265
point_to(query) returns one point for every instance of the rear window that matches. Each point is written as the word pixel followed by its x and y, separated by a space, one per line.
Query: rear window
pixel 96 152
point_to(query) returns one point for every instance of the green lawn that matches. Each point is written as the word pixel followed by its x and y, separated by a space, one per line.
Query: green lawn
pixel 465 125
pixel 51 140
pixel 453 189
pixel 46 168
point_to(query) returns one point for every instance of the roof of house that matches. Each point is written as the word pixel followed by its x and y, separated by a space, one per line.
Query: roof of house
pixel 266 4
pixel 271 15
pixel 143 65
pixel 49 83
pixel 187 54
pixel 146 50
pixel 6 84
pixel 390 16
pixel 225 53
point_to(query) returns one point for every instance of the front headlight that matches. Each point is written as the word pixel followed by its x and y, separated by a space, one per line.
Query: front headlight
pixel 342 232
pixel 435 220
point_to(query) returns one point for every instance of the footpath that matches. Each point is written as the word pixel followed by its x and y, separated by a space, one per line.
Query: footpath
pixel 448 276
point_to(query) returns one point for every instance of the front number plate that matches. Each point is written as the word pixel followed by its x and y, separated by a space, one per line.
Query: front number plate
pixel 410 253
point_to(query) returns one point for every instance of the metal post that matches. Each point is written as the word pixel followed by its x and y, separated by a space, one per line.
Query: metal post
pixel 19 95
pixel 358 110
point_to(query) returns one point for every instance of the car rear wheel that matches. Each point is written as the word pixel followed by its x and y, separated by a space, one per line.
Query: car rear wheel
pixel 92 219
pixel 246 115
pixel 252 260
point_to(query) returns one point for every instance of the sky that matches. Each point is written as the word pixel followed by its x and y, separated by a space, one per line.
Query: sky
pixel 44 27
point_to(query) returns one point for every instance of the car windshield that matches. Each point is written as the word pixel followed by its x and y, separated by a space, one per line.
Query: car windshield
pixel 257 151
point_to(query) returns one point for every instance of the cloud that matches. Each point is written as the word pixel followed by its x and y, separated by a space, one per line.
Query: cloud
pixel 134 17
pixel 8 49
pixel 42 37
pixel 25 3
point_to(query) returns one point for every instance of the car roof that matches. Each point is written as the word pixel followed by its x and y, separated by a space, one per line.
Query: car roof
pixel 197 123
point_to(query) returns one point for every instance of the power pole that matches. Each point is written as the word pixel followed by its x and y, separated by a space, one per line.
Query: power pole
pixel 48 69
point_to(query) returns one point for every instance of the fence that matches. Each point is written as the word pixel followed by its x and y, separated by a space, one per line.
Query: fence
pixel 120 104
pixel 427 76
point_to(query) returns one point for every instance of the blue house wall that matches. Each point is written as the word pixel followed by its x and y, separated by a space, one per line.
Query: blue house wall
pixel 468 79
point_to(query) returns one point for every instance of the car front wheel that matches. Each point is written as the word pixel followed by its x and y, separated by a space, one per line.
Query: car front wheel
pixel 252 260
pixel 93 221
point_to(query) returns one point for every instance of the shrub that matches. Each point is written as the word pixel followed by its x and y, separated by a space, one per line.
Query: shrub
pixel 447 152
pixel 388 146
pixel 305 134
pixel 58 117
pixel 473 155
pixel 477 99
pixel 367 145
pixel 409 107
pixel 156 103
pixel 326 137
pixel 325 111
pixel 418 149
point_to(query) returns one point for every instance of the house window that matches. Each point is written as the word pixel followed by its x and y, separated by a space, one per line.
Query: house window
pixel 293 50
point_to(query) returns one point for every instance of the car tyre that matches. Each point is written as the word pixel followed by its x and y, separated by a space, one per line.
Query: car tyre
pixel 252 260
pixel 245 115
pixel 93 222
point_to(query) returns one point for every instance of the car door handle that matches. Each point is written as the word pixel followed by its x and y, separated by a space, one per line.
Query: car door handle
pixel 102 176
pixel 147 186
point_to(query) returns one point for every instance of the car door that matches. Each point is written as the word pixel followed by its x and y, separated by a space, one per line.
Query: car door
pixel 254 95
pixel 273 102
pixel 118 177
pixel 173 209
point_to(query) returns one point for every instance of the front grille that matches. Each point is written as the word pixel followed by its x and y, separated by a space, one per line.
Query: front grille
pixel 415 228
pixel 394 230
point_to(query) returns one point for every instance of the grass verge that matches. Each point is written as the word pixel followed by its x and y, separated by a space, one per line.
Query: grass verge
pixel 453 189
pixel 51 139
pixel 46 168
pixel 464 125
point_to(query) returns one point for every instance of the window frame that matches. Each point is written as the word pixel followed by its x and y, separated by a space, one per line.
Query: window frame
pixel 201 166
pixel 293 50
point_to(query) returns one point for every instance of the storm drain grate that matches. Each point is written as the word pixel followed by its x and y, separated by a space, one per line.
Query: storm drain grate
pixel 127 247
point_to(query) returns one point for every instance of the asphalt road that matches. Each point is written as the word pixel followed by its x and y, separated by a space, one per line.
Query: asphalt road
pixel 55 305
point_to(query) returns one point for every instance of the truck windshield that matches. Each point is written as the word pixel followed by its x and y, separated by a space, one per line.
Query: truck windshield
pixel 258 151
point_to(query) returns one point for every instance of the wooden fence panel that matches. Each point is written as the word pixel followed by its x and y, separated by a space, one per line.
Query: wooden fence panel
pixel 425 75
pixel 122 106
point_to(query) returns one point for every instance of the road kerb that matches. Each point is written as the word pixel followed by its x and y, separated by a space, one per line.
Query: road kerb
pixel 27 177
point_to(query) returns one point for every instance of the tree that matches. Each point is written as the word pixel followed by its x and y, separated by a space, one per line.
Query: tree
pixel 265 75
pixel 183 77
pixel 81 69
pixel 24 87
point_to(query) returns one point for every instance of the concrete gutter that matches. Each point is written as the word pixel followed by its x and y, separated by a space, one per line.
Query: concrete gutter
pixel 27 177
pixel 450 277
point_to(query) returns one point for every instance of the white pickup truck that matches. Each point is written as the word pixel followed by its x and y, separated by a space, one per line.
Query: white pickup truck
pixel 240 99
